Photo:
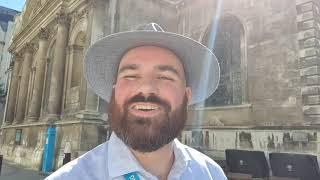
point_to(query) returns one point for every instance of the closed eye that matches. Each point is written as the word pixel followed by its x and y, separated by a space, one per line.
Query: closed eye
pixel 130 77
pixel 166 78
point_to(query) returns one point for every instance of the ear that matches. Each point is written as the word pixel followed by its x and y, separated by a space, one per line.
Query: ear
pixel 189 94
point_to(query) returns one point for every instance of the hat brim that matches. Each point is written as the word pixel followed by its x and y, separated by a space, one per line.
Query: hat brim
pixel 103 57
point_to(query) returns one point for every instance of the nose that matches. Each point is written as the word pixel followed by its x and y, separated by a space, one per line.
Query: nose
pixel 147 86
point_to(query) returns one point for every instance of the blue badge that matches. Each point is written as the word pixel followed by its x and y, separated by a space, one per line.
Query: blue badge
pixel 132 176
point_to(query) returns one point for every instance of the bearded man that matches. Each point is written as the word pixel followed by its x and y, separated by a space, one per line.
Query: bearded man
pixel 149 77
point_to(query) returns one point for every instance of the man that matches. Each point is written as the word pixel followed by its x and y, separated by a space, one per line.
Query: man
pixel 149 77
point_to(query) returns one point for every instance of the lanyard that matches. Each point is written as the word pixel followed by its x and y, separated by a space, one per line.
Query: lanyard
pixel 131 176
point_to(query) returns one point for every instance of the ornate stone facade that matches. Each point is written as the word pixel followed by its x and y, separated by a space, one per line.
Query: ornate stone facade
pixel 267 98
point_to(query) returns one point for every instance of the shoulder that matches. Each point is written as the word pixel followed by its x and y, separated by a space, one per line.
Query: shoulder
pixel 204 163
pixel 83 166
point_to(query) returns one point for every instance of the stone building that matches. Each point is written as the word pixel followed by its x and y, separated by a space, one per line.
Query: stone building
pixel 268 98
pixel 6 25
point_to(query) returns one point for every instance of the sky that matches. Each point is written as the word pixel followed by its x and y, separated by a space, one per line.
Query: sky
pixel 13 4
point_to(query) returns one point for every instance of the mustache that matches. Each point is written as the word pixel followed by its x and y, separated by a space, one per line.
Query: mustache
pixel 152 98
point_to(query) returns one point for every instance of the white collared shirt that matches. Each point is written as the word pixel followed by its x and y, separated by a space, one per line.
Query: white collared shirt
pixel 113 159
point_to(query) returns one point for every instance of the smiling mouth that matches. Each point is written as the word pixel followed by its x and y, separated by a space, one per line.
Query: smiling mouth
pixel 145 109
pixel 142 107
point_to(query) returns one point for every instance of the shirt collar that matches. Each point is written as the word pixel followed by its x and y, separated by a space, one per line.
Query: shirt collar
pixel 121 161
pixel 182 158
pixel 180 151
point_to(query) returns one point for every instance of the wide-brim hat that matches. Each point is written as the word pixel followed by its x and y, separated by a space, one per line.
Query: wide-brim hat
pixel 102 59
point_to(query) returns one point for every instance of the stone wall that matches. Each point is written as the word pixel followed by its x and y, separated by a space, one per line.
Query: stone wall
pixel 271 76
pixel 213 141
pixel 29 152
pixel 271 81
pixel 80 137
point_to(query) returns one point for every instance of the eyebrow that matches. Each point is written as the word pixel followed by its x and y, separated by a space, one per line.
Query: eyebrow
pixel 168 68
pixel 128 67
pixel 159 67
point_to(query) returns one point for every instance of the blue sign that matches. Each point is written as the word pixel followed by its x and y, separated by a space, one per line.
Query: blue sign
pixel 48 154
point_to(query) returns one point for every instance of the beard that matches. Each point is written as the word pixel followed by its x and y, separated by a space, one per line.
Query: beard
pixel 147 134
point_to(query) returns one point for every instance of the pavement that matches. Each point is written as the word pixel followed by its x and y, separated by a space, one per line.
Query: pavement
pixel 12 171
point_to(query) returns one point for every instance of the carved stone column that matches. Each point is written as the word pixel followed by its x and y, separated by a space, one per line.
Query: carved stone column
pixel 17 58
pixel 56 84
pixel 22 96
pixel 36 99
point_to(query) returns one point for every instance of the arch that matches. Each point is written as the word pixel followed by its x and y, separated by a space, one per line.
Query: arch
pixel 80 26
pixel 228 41
pixel 77 43
pixel 74 76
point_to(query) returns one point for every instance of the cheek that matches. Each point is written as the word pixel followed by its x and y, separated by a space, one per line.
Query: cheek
pixel 173 94
pixel 121 91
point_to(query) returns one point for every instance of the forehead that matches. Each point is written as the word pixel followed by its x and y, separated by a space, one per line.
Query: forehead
pixel 151 55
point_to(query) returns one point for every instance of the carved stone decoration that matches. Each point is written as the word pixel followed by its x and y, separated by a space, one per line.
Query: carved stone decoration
pixel 44 33
pixel 35 47
pixel 17 56
pixel 29 47
pixel 82 13
pixel 92 3
pixel 77 16
pixel 52 32
pixel 62 17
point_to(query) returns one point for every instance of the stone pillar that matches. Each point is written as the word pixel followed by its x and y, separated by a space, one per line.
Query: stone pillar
pixel 75 63
pixel 57 77
pixel 13 89
pixel 88 99
pixel 36 98
pixel 22 96
pixel 308 18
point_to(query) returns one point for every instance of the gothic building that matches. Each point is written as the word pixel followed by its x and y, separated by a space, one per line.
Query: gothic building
pixel 268 97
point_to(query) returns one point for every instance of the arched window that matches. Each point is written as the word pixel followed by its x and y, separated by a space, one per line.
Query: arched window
pixel 228 46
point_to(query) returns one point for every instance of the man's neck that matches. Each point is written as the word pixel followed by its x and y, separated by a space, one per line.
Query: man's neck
pixel 158 162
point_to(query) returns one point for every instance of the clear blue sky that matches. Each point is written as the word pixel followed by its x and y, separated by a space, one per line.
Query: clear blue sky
pixel 13 4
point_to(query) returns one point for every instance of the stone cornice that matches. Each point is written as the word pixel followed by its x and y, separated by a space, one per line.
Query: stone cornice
pixel 295 128
pixel 43 18
pixel 74 48
pixel 60 123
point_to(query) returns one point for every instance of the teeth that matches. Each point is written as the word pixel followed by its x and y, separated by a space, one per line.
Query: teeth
pixel 145 107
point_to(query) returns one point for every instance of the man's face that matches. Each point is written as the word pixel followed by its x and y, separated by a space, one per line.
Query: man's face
pixel 149 100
